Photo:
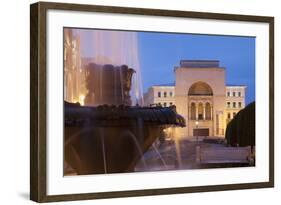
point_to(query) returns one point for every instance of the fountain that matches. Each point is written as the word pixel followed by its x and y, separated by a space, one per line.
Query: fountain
pixel 108 134
pixel 106 127
pixel 102 91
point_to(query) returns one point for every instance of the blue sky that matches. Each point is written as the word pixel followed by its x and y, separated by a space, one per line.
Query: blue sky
pixel 161 52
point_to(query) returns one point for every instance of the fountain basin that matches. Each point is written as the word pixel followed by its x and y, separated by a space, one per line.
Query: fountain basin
pixel 112 139
pixel 108 135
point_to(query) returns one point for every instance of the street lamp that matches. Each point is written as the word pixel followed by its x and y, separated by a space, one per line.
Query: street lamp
pixel 196 123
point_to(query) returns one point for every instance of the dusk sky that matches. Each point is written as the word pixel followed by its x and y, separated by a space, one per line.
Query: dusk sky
pixel 159 53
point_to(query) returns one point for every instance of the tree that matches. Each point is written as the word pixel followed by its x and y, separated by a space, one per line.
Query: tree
pixel 240 130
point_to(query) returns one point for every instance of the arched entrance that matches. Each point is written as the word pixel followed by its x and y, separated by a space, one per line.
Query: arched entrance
pixel 200 88
pixel 200 109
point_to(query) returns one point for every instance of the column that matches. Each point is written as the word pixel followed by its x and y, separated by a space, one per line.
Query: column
pixel 211 112
pixel 204 112
pixel 196 108
pixel 217 124
pixel 189 112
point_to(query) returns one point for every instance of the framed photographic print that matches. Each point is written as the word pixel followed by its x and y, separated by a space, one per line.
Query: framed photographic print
pixel 134 102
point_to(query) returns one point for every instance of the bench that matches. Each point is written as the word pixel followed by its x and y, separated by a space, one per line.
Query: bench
pixel 223 155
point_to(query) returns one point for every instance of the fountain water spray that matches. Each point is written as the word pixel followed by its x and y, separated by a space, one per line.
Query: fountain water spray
pixel 109 83
pixel 102 47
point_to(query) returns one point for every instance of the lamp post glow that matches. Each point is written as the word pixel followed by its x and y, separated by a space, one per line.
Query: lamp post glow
pixel 196 123
pixel 81 99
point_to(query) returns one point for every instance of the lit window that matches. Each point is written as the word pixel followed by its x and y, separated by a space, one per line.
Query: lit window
pixel 159 94
pixel 234 104
pixel 228 104
pixel 233 94
pixel 239 104
pixel 228 115
pixel 165 94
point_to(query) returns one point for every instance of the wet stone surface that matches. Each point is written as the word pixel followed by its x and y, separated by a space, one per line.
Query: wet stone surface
pixel 175 155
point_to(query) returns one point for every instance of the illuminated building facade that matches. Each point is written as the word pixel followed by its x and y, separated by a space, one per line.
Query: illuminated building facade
pixel 74 74
pixel 201 96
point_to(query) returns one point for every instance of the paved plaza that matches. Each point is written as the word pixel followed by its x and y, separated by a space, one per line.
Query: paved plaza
pixel 177 155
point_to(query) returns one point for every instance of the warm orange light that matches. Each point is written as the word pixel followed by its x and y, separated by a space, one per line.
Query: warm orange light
pixel 81 99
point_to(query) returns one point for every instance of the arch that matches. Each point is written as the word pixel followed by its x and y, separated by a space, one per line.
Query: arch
pixel 208 111
pixel 193 111
pixel 200 88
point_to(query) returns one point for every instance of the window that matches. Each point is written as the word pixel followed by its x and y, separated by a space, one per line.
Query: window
pixel 228 94
pixel 200 111
pixel 159 94
pixel 165 94
pixel 165 104
pixel 193 111
pixel 171 103
pixel 234 114
pixel 208 111
pixel 228 115
pixel 239 104
pixel 234 104
pixel 228 104
pixel 239 94
pixel 233 94
pixel 171 94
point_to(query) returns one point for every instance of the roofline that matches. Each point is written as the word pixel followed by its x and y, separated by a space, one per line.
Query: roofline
pixel 163 86
pixel 200 60
pixel 172 86
pixel 178 67
pixel 236 86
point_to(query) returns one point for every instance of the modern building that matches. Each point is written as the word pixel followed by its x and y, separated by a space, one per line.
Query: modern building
pixel 201 96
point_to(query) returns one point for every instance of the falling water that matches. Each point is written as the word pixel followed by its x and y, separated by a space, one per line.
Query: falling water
pixel 178 152
pixel 103 150
pixel 133 137
pixel 159 155
pixel 101 47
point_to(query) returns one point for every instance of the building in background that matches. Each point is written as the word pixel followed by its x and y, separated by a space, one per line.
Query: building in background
pixel 163 95
pixel 235 100
pixel 201 96
pixel 74 72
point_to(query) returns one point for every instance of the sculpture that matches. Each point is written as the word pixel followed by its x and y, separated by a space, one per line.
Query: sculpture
pixel 108 135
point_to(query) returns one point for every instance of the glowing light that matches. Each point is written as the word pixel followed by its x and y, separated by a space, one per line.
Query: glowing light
pixel 81 99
